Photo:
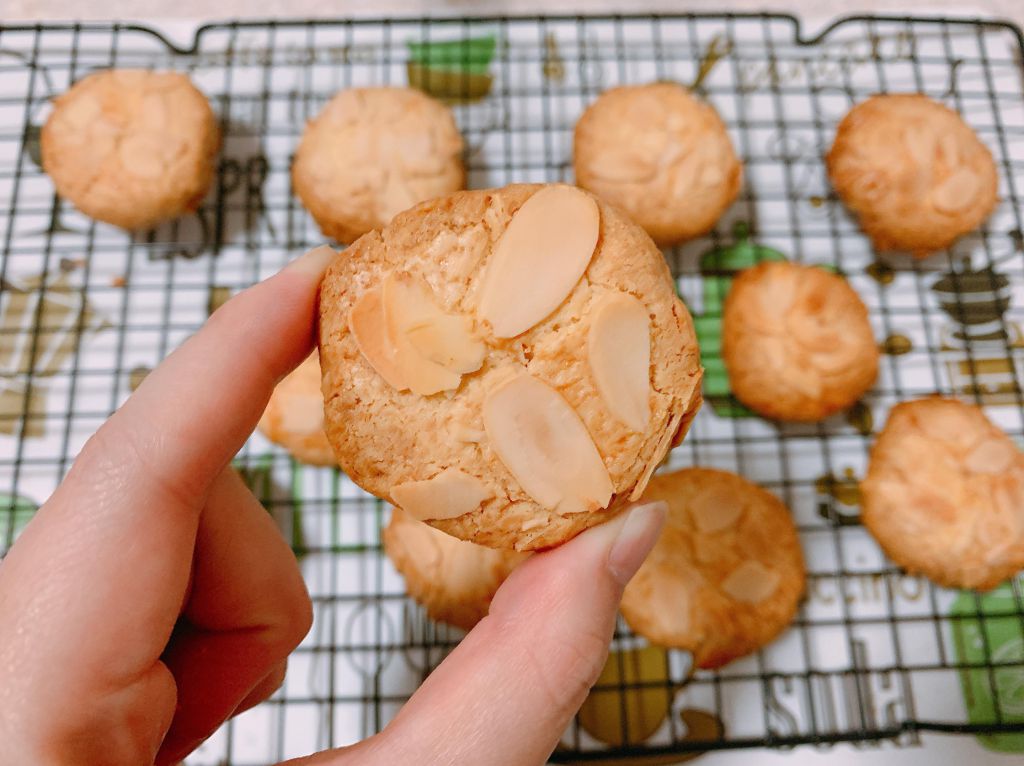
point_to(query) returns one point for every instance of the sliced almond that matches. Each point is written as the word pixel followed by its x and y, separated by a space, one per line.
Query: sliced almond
pixel 957 192
pixel 716 508
pixel 660 450
pixel 751 582
pixel 367 324
pixel 450 494
pixel 546 447
pixel 539 259
pixel 408 304
pixel 619 352
pixel 448 340
pixel 992 456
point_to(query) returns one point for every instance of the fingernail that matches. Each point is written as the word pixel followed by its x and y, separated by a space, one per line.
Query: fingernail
pixel 635 539
pixel 313 263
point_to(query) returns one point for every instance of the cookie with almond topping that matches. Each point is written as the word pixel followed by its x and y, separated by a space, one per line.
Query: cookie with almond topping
pixel 452 579
pixel 660 154
pixel 797 342
pixel 131 147
pixel 944 494
pixel 726 576
pixel 509 365
pixel 915 174
pixel 373 152
pixel 294 417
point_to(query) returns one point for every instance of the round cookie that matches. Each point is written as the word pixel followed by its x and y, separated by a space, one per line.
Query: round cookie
pixel 509 364
pixel 373 152
pixel 131 147
pixel 913 171
pixel 294 417
pixel 944 494
pixel 726 575
pixel 661 155
pixel 452 579
pixel 796 341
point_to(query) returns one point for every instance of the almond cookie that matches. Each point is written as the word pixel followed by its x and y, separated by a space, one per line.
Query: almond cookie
pixel 294 417
pixel 944 494
pixel 373 152
pixel 913 171
pixel 452 579
pixel 796 341
pixel 131 147
pixel 726 575
pixel 509 365
pixel 661 155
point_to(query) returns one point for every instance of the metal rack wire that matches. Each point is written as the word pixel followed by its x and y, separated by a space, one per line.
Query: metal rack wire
pixel 86 311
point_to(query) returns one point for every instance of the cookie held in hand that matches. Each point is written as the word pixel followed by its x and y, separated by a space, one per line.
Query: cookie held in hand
pixel 509 365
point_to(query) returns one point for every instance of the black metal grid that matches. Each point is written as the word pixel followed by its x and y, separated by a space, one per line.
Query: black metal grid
pixel 873 655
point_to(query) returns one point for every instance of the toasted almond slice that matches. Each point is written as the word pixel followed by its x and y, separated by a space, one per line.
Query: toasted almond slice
pixel 957 192
pixel 368 327
pixel 619 352
pixel 408 304
pixel 751 582
pixel 718 507
pixel 546 447
pixel 992 456
pixel 660 450
pixel 448 340
pixel 539 259
pixel 450 494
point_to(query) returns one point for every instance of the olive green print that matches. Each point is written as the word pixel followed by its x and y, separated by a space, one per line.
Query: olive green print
pixel 718 268
pixel 860 417
pixel 839 498
pixel 897 345
pixel 554 66
pixel 882 273
pixel 987 632
pixel 454 70
pixel 631 699
pixel 41 326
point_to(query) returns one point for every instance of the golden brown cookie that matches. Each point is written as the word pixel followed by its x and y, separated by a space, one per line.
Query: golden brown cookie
pixel 796 341
pixel 661 155
pixel 294 417
pixel 726 575
pixel 131 147
pixel 913 171
pixel 509 364
pixel 452 579
pixel 944 494
pixel 373 152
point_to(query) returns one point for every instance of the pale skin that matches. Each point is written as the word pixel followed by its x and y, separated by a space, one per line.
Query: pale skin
pixel 152 598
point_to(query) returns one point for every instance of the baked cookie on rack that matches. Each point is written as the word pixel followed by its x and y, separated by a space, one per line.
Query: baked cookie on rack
pixel 944 494
pixel 726 575
pixel 660 154
pixel 913 171
pixel 450 578
pixel 131 147
pixel 294 417
pixel 796 341
pixel 373 152
pixel 509 365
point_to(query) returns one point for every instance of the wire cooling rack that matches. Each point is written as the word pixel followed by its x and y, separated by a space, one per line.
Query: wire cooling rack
pixel 87 310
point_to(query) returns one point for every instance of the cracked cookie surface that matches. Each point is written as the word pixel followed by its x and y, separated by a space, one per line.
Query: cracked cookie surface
pixel 797 342
pixel 660 154
pixel 913 171
pixel 131 147
pixel 373 152
pixel 516 445
pixel 944 494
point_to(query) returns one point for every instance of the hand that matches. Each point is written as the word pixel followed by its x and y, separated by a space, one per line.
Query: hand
pixel 152 597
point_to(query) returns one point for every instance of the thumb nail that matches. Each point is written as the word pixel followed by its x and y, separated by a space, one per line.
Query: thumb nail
pixel 635 540
pixel 628 538
pixel 313 263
